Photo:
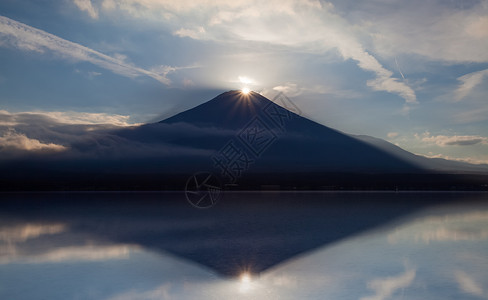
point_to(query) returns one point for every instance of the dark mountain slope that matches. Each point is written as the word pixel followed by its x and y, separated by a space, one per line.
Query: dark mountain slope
pixel 245 139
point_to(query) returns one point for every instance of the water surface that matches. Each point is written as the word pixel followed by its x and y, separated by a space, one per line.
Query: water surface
pixel 317 245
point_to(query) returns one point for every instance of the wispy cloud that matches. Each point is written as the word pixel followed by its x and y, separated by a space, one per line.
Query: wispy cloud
pixel 307 26
pixel 11 141
pixel 290 89
pixel 384 288
pixel 470 226
pixel 24 232
pixel 470 160
pixel 13 236
pixel 454 140
pixel 477 114
pixel 384 80
pixel 436 30
pixel 469 82
pixel 86 5
pixel 196 33
pixel 27 38
pixel 93 135
pixel 25 243
pixel 446 234
pixel 392 135
pixel 80 253
pixel 468 285
pixel 163 291
pixel 49 132
pixel 64 117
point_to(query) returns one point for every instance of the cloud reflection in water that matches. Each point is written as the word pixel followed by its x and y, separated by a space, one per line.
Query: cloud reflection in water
pixel 437 253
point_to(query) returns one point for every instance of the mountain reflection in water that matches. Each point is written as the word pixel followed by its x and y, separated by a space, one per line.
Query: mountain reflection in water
pixel 289 245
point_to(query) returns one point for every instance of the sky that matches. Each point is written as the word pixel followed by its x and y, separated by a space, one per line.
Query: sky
pixel 414 73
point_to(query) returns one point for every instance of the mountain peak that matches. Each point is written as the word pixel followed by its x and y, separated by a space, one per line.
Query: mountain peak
pixel 239 97
pixel 230 110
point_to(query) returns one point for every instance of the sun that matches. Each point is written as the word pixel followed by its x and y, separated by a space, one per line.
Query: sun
pixel 245 277
pixel 245 90
pixel 245 283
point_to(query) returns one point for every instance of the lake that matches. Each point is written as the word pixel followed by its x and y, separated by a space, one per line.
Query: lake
pixel 250 245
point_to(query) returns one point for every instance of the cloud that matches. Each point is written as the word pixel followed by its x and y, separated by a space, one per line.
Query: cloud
pixel 471 226
pixel 468 284
pixel 246 80
pixel 14 246
pixel 384 80
pixel 162 292
pixel 188 82
pixel 436 30
pixel 472 115
pixel 392 135
pixel 24 232
pixel 92 135
pixel 81 253
pixel 12 236
pixel 386 287
pixel 27 38
pixel 64 117
pixel 86 5
pixel 70 117
pixel 52 132
pixel 306 26
pixel 455 140
pixel 470 160
pixel 446 234
pixel 12 141
pixel 469 82
pixel 478 27
pixel 196 33
pixel 290 89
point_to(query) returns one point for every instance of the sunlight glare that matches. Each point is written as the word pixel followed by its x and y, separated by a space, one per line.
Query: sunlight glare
pixel 245 277
pixel 246 80
pixel 245 284
pixel 245 90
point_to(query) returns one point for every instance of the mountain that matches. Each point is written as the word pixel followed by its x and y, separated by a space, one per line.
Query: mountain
pixel 249 142
pixel 287 142
pixel 431 164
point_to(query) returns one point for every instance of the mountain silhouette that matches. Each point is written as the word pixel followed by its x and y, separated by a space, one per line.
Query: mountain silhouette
pixel 293 143
pixel 248 141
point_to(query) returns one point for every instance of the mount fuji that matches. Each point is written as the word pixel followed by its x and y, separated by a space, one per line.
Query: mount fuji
pixel 248 141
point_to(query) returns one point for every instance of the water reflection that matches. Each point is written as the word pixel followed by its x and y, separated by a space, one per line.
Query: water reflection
pixel 437 254
pixel 40 243
pixel 469 226
pixel 111 251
